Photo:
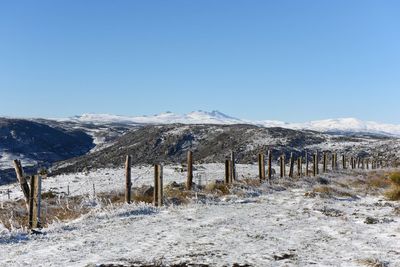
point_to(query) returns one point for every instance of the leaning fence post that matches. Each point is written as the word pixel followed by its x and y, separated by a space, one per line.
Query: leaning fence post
pixel 22 181
pixel 282 163
pixel 160 193
pixel 128 181
pixel 324 163
pixel 155 191
pixel 189 181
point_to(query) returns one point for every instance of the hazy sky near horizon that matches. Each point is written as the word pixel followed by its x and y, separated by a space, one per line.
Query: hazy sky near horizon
pixel 285 60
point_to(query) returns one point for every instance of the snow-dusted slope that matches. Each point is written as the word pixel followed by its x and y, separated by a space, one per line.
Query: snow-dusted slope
pixel 216 117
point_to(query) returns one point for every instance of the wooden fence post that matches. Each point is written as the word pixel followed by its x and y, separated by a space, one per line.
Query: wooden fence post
pixel 282 163
pixel 160 193
pixel 367 162
pixel 227 168
pixel 314 165
pixel 261 166
pixel 189 181
pixel 317 162
pixel 34 202
pixel 334 158
pixel 269 164
pixel 38 193
pixel 233 167
pixel 155 192
pixel 299 166
pixel 291 165
pixel 22 181
pixel 344 162
pixel 336 161
pixel 307 170
pixel 128 180
pixel 324 169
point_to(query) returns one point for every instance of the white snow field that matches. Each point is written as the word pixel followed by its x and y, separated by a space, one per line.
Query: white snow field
pixel 272 225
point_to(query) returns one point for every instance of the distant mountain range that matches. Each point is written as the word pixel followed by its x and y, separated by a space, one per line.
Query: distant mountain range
pixel 342 125
pixel 96 140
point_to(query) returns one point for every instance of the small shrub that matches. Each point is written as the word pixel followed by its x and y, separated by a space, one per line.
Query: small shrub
pixel 177 195
pixel 373 263
pixel 251 182
pixel 328 191
pixel 393 193
pixel 217 187
pixel 395 178
pixel 378 182
pixel 142 198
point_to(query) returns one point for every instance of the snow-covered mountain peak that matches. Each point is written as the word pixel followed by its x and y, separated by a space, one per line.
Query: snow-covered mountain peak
pixel 217 117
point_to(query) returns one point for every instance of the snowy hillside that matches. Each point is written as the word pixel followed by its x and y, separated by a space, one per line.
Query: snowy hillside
pixel 216 117
pixel 285 223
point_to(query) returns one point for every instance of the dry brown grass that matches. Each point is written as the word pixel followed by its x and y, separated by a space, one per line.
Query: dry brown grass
pixel 372 181
pixel 395 178
pixel 14 213
pixel 177 195
pixel 251 182
pixel 326 191
pixel 372 263
pixel 217 187
pixel 394 192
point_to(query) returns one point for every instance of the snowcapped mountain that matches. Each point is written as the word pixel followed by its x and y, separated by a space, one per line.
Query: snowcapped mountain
pixel 343 125
pixel 215 117
pixel 195 117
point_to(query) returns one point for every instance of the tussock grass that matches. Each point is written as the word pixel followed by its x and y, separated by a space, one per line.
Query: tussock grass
pixel 326 191
pixel 394 192
pixel 176 195
pixel 251 182
pixel 372 263
pixel 217 187
pixel 395 178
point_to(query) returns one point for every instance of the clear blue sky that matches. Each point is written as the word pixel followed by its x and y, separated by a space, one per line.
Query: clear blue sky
pixel 292 60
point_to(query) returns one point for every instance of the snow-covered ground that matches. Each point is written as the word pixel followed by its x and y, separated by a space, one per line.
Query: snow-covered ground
pixel 108 180
pixel 273 226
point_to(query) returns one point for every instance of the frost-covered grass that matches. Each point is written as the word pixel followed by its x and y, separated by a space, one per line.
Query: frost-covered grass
pixel 336 219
